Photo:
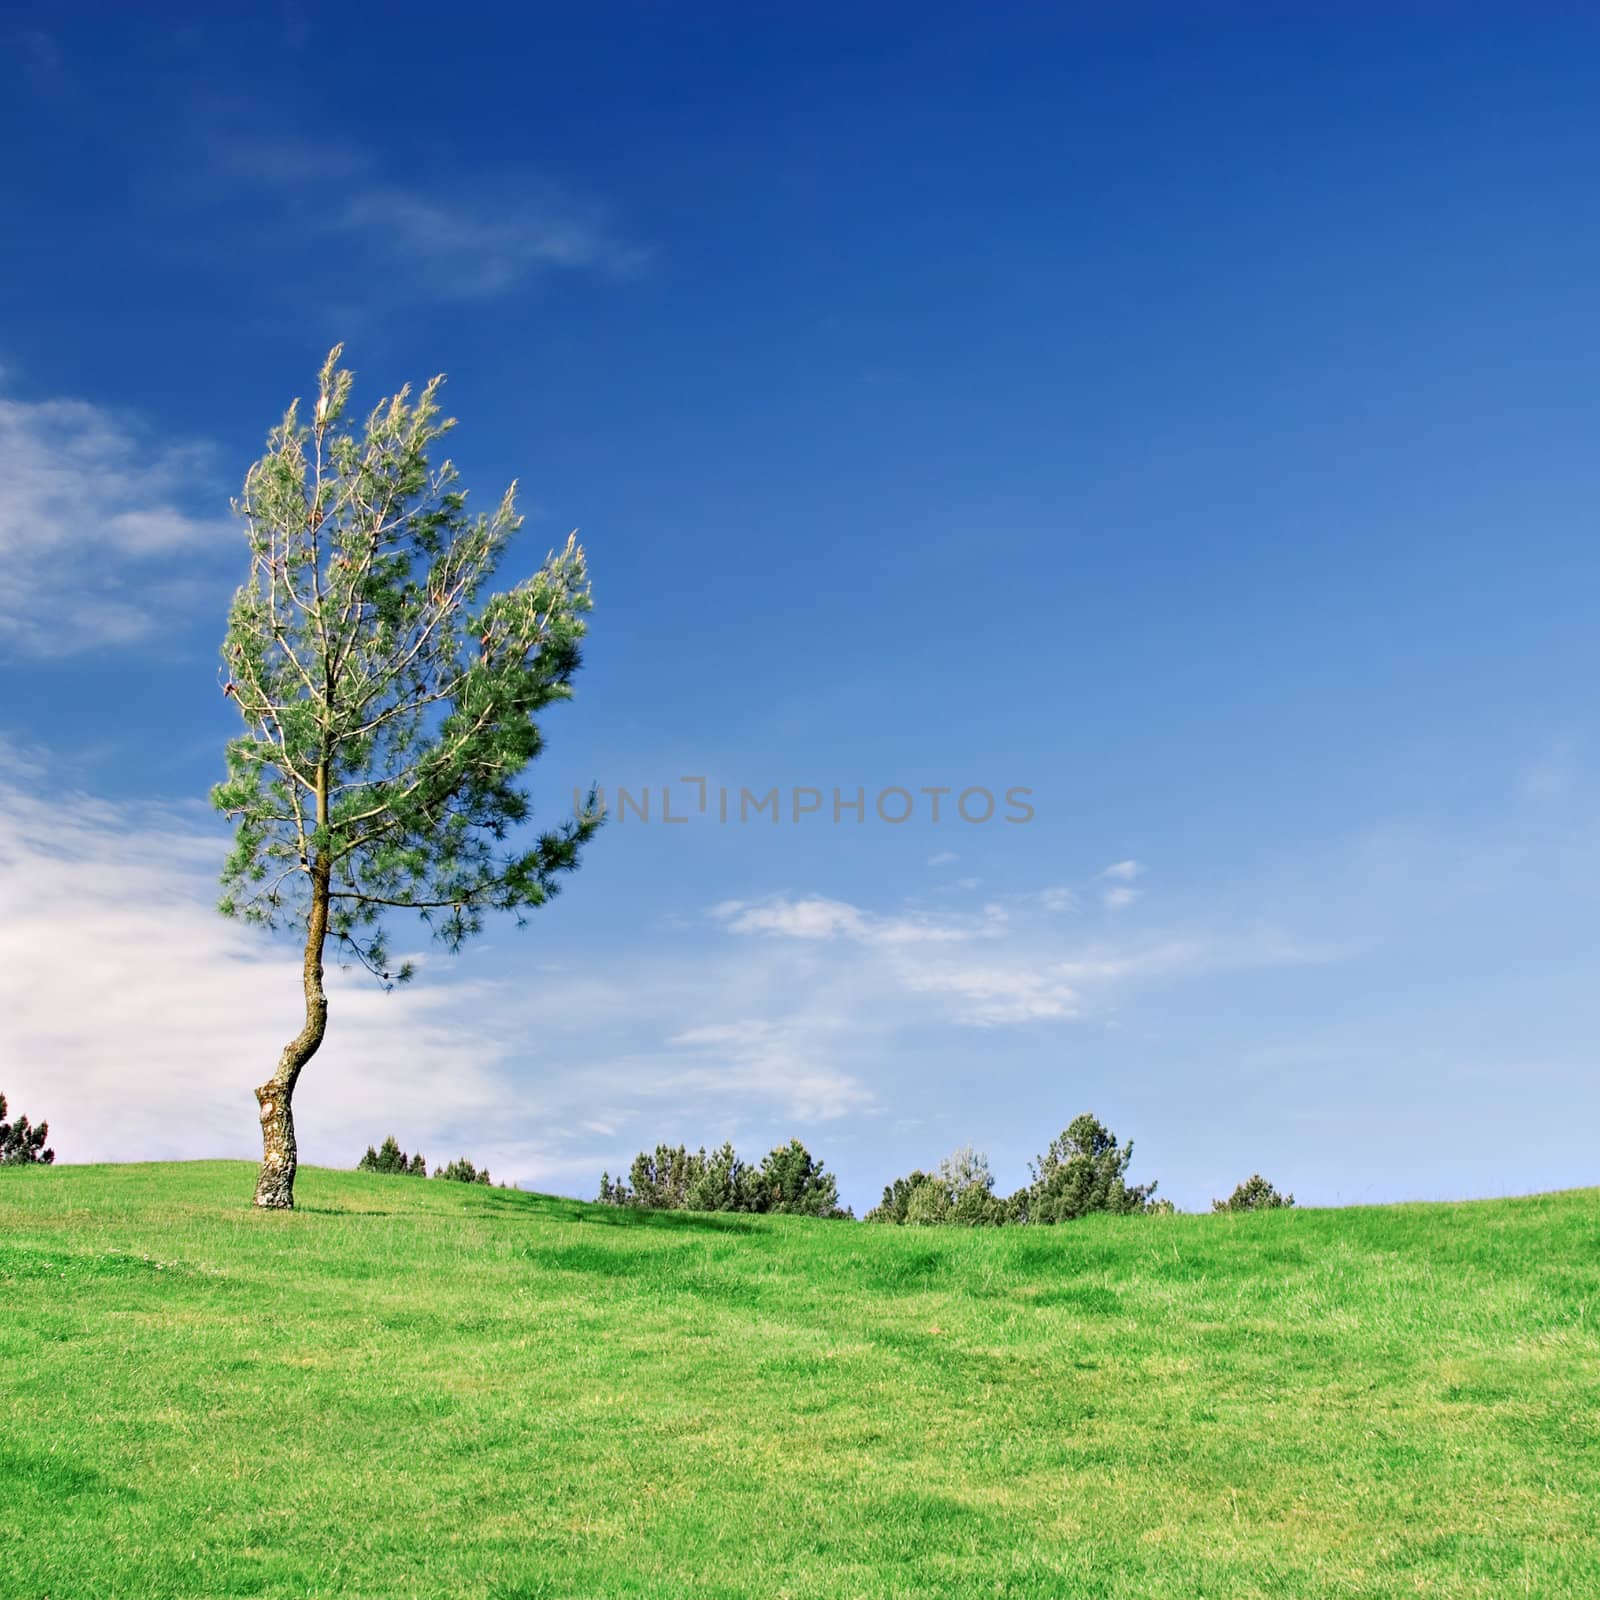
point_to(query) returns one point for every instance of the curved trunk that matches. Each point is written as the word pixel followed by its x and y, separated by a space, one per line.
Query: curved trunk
pixel 275 1185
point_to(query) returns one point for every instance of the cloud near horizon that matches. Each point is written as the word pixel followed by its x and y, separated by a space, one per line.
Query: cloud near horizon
pixel 92 513
pixel 474 243
pixel 138 1021
pixel 1019 969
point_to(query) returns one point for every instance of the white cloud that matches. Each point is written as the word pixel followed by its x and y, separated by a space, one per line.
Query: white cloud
pixel 1127 871
pixel 819 918
pixel 92 525
pixel 474 243
pixel 1026 972
pixel 1116 899
pixel 137 1021
pixel 995 994
pixel 468 252
pixel 943 858
pixel 755 1053
pixel 815 918
pixel 1056 899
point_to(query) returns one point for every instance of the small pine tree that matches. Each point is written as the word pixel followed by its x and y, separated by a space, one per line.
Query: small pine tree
pixel 891 1210
pixel 392 1159
pixel 674 1178
pixel 660 1181
pixel 1254 1194
pixel 718 1182
pixel 928 1205
pixel 462 1171
pixel 961 1191
pixel 1084 1171
pixel 791 1181
pixel 22 1145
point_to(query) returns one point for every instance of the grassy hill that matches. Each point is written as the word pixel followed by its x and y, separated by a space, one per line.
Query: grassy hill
pixel 420 1388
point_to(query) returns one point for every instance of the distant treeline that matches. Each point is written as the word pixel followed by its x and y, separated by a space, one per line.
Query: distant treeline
pixel 789 1181
pixel 1083 1171
pixel 389 1157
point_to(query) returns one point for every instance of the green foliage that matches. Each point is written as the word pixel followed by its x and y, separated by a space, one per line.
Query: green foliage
pixel 1083 1171
pixel 672 1178
pixel 462 1171
pixel 790 1181
pixel 1254 1194
pixel 21 1144
pixel 896 1203
pixel 391 1158
pixel 388 696
pixel 928 1204
pixel 658 1180
pixel 961 1192
pixel 720 1182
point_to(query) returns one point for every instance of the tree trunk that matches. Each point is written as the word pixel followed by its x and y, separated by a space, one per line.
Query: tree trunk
pixel 275 1185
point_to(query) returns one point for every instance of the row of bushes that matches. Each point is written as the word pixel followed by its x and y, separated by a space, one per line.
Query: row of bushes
pixel 1083 1171
pixel 789 1181
pixel 392 1159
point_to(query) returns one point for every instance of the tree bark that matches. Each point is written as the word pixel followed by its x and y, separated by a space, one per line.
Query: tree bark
pixel 275 1185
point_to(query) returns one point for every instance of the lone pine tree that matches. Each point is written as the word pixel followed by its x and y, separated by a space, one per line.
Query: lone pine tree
pixel 388 705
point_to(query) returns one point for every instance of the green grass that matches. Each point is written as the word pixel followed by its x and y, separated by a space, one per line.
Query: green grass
pixel 430 1389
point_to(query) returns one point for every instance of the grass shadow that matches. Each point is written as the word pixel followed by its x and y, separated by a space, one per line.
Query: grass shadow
pixel 638 1217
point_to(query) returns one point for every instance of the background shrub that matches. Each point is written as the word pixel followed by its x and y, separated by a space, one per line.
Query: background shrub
pixel 462 1171
pixel 1083 1171
pixel 790 1180
pixel 391 1158
pixel 1254 1194
pixel 961 1191
pixel 22 1145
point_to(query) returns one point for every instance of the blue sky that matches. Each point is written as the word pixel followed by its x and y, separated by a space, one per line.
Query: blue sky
pixel 1184 413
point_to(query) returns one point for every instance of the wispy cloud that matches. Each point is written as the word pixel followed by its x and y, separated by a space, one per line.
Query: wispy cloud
pixel 481 239
pixel 137 1021
pixel 819 918
pixel 471 252
pixel 756 1052
pixel 1058 897
pixel 94 515
pixel 993 994
pixel 1007 964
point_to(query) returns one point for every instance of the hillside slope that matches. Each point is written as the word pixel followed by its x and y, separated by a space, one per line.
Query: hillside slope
pixel 420 1388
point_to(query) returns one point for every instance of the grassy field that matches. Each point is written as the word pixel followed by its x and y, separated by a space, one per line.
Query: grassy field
pixel 419 1388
